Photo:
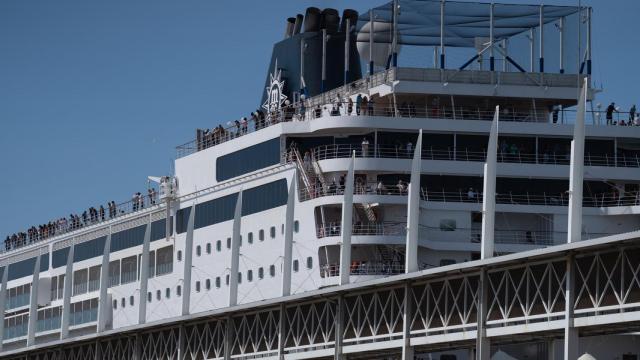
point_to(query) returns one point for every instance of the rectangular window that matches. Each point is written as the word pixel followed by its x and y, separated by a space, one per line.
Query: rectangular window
pixel 127 238
pixel 129 269
pixel 159 230
pixel 94 278
pixel 248 159
pixel 89 249
pixel 114 273
pixel 152 264
pixel 80 280
pixel 447 225
pixel 164 260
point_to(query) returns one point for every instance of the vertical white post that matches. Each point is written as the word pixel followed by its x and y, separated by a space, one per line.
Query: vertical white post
pixel 66 293
pixel 541 25
pixel 394 42
pixel 561 30
pixel 3 301
pixel 371 33
pixel 571 336
pixel 104 283
pixel 408 352
pixel 483 343
pixel 347 224
pixel 442 34
pixel 288 238
pixel 489 191
pixel 33 303
pixel 347 49
pixel 589 12
pixel 144 274
pixel 413 209
pixel 577 170
pixel 532 49
pixel 302 43
pixel 492 59
pixel 235 253
pixel 324 59
pixel 188 262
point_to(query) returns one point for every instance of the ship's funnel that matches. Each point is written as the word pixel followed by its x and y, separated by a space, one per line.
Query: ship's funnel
pixel 312 20
pixel 288 32
pixel 350 14
pixel 297 26
pixel 330 20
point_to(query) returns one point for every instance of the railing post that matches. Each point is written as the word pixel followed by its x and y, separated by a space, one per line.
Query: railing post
pixel 407 349
pixel 483 344
pixel 339 331
pixel 571 336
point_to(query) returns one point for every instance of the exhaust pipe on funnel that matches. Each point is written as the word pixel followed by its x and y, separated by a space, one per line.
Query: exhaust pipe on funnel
pixel 350 14
pixel 330 20
pixel 312 20
pixel 298 24
pixel 288 32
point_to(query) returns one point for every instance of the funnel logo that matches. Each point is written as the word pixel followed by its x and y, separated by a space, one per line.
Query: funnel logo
pixel 275 97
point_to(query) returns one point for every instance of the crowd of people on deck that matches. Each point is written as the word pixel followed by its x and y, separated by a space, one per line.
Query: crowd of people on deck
pixel 72 222
pixel 633 119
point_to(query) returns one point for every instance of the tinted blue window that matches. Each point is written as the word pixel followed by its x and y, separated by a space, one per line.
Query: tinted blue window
pixel 215 211
pixel 89 249
pixel 21 269
pixel 44 262
pixel 254 200
pixel 247 160
pixel 264 197
pixel 158 229
pixel 182 219
pixel 1 272
pixel 127 238
pixel 59 257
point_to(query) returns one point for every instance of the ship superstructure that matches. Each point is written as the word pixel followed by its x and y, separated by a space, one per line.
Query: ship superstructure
pixel 343 177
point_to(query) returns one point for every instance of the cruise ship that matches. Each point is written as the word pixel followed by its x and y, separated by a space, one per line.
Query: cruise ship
pixel 365 206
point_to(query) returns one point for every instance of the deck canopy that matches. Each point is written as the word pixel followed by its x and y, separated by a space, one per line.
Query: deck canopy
pixel 464 22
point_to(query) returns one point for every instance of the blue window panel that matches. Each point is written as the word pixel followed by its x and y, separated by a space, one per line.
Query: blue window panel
pixel 215 211
pixel 182 219
pixel 264 197
pixel 21 269
pixel 247 160
pixel 44 262
pixel 59 257
pixel 1 272
pixel 127 238
pixel 89 249
pixel 158 230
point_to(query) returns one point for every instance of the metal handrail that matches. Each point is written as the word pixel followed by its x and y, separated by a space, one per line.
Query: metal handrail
pixel 363 267
pixel 402 151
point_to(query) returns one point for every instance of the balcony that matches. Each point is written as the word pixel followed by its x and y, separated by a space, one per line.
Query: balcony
pixel 344 151
pixel 363 268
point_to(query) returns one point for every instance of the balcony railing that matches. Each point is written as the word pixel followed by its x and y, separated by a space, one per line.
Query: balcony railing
pixel 382 229
pixel 400 189
pixel 341 151
pixel 363 268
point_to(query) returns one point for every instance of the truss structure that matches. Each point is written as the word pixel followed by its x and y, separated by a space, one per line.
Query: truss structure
pixel 425 311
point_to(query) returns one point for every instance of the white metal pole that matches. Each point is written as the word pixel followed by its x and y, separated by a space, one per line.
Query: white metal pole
pixel 347 49
pixel 324 59
pixel 347 224
pixel 442 59
pixel 66 292
pixel 288 238
pixel 144 274
pixel 561 29
pixel 489 191
pixel 235 252
pixel 104 284
pixel 541 38
pixel 491 50
pixel 371 33
pixel 574 233
pixel 33 302
pixel 532 46
pixel 188 262
pixel 413 209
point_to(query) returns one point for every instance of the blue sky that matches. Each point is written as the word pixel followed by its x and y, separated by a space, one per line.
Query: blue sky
pixel 95 95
